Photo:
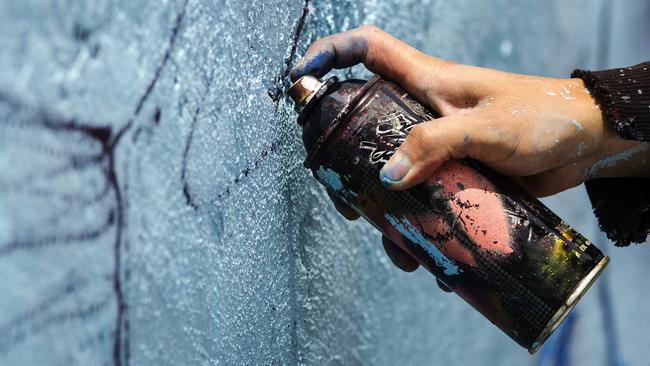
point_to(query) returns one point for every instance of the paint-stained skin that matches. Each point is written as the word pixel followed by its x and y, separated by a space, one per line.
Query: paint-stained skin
pixel 611 162
pixel 318 65
pixel 339 51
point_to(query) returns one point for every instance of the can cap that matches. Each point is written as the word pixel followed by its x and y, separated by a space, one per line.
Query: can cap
pixel 303 90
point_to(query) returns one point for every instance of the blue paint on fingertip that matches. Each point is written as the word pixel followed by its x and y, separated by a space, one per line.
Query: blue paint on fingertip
pixel 318 65
pixel 322 62
pixel 385 179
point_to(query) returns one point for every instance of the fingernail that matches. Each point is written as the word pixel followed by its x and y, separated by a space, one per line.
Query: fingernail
pixel 396 168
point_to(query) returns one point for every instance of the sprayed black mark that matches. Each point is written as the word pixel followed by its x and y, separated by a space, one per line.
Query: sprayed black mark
pixel 108 141
pixel 87 235
pixel 156 116
pixel 69 198
pixel 188 143
pixel 59 294
pixel 152 83
pixel 16 335
pixel 155 120
pixel 186 188
pixel 47 313
pixel 121 327
pixel 80 32
pixel 247 170
pixel 280 83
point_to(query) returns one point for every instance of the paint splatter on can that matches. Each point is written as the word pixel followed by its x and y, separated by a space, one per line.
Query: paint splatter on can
pixel 486 238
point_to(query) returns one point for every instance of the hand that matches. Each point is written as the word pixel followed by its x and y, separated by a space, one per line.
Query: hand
pixel 548 134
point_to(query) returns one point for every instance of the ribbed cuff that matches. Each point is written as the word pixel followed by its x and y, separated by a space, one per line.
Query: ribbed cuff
pixel 624 94
pixel 622 206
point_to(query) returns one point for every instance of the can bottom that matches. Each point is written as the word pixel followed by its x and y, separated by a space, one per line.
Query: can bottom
pixel 570 303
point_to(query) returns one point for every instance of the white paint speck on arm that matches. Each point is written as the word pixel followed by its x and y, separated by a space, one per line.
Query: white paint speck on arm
pixel 578 125
pixel 612 161
pixel 566 93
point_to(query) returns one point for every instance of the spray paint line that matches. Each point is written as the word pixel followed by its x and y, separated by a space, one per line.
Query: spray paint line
pixel 276 91
pixel 109 141
pixel 247 170
pixel 41 324
pixel 189 200
pixel 406 228
pixel 121 352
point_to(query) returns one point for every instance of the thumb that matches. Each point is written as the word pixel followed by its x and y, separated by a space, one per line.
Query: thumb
pixel 427 146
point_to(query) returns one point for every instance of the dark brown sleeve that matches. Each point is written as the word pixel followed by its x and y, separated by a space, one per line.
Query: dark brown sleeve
pixel 622 205
pixel 624 95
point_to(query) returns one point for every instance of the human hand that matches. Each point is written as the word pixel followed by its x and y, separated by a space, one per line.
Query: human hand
pixel 546 133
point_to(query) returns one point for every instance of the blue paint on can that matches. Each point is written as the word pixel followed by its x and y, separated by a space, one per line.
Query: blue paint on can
pixel 330 179
pixel 406 228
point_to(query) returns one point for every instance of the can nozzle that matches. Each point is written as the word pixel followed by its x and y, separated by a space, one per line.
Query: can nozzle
pixel 303 90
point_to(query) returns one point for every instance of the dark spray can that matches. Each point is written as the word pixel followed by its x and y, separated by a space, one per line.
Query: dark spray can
pixel 486 238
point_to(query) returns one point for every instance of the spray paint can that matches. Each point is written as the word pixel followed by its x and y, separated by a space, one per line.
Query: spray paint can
pixel 479 233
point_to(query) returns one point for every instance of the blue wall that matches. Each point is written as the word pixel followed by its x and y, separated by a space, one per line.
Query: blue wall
pixel 154 209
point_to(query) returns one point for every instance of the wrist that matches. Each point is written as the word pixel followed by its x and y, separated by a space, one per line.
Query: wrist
pixel 627 159
pixel 614 156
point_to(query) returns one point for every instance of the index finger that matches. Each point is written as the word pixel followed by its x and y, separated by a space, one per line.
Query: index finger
pixel 380 52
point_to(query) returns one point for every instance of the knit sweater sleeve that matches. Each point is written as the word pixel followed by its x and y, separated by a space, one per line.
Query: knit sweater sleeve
pixel 622 205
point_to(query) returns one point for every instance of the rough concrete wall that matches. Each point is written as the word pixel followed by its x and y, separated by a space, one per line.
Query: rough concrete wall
pixel 153 205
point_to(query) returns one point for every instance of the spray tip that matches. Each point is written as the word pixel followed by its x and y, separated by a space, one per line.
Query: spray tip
pixel 303 90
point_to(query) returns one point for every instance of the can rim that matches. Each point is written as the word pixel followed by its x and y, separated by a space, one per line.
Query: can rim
pixel 314 97
pixel 568 305
pixel 313 153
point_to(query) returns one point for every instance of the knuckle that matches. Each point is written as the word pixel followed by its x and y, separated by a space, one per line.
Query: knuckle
pixel 372 34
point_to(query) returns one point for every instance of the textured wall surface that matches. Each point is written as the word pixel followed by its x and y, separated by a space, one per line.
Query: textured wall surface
pixel 154 209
